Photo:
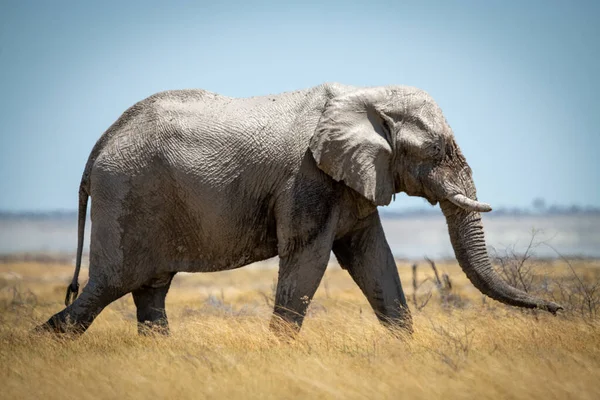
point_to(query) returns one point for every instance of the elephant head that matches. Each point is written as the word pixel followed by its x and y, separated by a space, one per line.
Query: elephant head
pixel 385 140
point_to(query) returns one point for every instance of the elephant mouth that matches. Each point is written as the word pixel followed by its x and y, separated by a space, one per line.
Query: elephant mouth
pixel 431 200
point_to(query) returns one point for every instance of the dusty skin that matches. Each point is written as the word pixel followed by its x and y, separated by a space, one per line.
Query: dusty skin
pixel 193 181
pixel 220 345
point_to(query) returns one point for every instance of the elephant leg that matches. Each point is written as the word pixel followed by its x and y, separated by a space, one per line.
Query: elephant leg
pixel 150 303
pixel 78 316
pixel 365 254
pixel 299 276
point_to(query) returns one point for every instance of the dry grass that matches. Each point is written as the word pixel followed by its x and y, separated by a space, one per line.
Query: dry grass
pixel 220 346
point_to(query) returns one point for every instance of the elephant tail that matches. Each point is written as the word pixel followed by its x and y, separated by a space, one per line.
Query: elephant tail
pixel 73 288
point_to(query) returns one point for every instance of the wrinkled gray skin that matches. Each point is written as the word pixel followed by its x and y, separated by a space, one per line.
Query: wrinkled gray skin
pixel 192 181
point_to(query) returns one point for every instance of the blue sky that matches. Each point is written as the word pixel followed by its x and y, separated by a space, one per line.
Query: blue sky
pixel 518 81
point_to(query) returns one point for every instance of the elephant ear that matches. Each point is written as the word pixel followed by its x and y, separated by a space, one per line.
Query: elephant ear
pixel 352 143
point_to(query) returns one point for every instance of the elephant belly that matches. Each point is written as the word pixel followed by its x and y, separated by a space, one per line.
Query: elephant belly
pixel 213 255
pixel 218 235
pixel 212 259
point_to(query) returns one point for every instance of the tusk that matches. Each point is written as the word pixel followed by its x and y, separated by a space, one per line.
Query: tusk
pixel 468 204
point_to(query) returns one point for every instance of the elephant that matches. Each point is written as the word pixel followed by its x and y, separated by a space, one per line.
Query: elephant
pixel 193 181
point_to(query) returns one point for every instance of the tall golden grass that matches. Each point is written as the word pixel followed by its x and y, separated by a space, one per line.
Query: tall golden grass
pixel 220 345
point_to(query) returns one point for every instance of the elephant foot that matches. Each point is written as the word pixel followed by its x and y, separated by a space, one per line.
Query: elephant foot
pixel 150 304
pixel 60 325
pixel 78 316
pixel 283 329
pixel 153 328
pixel 398 326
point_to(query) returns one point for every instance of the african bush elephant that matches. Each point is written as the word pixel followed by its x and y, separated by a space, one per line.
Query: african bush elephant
pixel 189 180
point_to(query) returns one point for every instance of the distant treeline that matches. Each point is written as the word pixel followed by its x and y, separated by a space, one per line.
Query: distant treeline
pixel 38 215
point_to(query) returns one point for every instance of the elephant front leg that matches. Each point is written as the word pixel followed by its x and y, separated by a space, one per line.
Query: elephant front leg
pixel 299 276
pixel 365 254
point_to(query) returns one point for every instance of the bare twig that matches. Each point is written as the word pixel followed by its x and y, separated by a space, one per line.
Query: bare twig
pixel 414 283
pixel 588 292
pixel 443 285
pixel 435 272
pixel 517 269
pixel 416 286
pixel 457 345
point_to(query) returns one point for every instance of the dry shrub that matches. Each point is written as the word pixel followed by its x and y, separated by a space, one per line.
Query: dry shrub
pixel 448 298
pixel 578 293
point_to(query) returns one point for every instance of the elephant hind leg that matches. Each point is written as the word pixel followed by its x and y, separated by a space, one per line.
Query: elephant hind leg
pixel 78 316
pixel 150 303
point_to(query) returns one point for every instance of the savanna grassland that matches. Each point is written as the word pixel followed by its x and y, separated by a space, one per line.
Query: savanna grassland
pixel 464 346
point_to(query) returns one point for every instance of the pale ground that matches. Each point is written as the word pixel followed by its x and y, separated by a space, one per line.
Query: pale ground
pixel 220 345
pixel 409 237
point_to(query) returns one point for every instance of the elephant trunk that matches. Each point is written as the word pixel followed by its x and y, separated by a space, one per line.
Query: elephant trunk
pixel 467 238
